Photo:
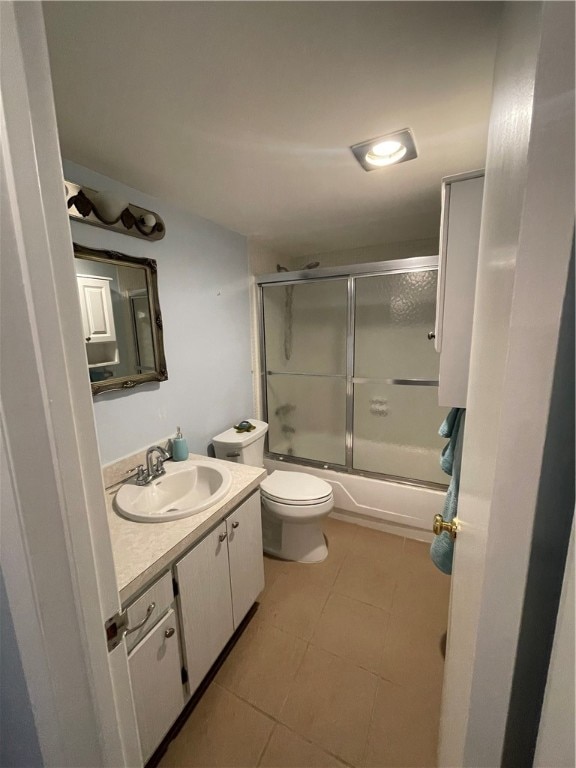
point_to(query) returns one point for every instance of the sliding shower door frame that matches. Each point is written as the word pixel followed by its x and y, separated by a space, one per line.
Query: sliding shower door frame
pixel 350 273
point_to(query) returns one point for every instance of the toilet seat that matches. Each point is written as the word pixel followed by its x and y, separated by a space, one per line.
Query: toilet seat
pixel 298 513
pixel 295 488
pixel 296 502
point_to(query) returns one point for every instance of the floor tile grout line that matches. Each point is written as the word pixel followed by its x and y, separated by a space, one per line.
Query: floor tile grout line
pixel 277 722
pixel 370 724
pixel 345 660
pixel 309 644
pixel 364 602
pixel 293 681
pixel 265 747
pixel 308 740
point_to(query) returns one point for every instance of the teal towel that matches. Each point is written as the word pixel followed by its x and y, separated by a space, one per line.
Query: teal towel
pixel 442 549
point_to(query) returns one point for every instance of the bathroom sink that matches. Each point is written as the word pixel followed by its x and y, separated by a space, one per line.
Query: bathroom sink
pixel 187 488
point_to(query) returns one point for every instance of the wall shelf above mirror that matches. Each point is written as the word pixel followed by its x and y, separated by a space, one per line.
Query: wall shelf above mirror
pixel 121 319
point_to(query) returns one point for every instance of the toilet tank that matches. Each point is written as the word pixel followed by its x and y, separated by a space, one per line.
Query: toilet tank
pixel 242 447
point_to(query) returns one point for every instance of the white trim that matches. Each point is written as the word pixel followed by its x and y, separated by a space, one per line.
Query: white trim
pixel 377 525
pixel 62 530
pixel 524 255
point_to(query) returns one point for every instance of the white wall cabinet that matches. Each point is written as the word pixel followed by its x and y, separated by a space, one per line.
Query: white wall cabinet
pixel 459 241
pixel 97 320
pixel 155 673
pixel 96 308
pixel 218 581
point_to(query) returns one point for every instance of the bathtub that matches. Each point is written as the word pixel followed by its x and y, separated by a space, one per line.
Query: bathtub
pixel 405 510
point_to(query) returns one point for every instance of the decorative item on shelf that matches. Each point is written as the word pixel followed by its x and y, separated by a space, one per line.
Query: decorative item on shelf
pixel 244 426
pixel 107 210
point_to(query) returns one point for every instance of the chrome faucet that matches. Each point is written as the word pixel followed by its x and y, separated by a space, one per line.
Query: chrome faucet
pixel 154 469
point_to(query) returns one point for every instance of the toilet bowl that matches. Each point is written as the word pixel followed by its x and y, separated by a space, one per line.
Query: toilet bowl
pixel 293 507
pixel 293 503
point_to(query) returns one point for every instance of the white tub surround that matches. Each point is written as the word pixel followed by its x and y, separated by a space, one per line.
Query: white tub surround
pixel 142 551
pixel 406 510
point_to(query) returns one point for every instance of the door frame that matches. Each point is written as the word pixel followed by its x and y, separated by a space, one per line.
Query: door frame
pixel 511 430
pixel 56 549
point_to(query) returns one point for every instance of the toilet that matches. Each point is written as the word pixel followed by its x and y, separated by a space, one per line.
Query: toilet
pixel 293 503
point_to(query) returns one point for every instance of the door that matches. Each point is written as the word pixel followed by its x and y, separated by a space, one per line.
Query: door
pixel 59 577
pixel 96 308
pixel 306 328
pixel 396 412
pixel 155 672
pixel 205 601
pixel 510 450
pixel 244 528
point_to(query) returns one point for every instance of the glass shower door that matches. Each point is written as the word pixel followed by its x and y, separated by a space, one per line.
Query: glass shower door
pixel 396 412
pixel 305 345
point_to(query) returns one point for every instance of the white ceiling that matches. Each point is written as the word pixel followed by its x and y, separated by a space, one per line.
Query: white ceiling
pixel 243 112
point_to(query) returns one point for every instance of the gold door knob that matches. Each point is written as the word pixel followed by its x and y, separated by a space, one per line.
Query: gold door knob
pixel 441 525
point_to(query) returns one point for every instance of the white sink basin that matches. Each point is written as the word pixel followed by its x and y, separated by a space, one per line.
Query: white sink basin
pixel 188 487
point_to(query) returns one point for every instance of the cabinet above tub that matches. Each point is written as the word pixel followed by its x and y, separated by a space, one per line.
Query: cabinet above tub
pixel 458 262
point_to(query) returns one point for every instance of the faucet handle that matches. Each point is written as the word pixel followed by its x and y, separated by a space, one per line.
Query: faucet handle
pixel 159 466
pixel 141 472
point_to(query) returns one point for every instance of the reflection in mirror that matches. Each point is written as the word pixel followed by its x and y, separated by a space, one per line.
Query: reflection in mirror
pixel 121 319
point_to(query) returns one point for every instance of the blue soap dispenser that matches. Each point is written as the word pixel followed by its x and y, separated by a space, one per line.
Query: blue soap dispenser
pixel 179 447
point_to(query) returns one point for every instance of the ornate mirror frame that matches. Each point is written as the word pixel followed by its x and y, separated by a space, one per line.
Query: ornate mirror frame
pixel 149 265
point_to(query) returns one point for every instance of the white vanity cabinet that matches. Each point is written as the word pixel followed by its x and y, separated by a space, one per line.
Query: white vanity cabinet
pixel 244 528
pixel 203 578
pixel 459 241
pixel 218 581
pixel 179 625
pixel 155 673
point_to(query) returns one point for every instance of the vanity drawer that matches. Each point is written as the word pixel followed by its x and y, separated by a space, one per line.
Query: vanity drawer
pixel 161 593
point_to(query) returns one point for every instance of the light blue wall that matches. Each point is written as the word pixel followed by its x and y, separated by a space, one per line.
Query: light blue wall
pixel 203 280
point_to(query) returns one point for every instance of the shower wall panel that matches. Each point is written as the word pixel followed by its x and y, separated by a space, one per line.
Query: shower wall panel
pixel 396 419
pixel 305 337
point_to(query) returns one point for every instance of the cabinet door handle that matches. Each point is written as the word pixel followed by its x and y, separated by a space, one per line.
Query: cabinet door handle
pixel 140 624
pixel 88 338
pixel 431 335
pixel 169 632
pixel 235 524
pixel 222 536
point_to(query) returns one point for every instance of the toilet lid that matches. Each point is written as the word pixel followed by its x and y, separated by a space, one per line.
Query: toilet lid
pixel 295 486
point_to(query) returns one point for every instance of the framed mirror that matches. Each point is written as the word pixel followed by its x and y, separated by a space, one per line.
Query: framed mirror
pixel 121 319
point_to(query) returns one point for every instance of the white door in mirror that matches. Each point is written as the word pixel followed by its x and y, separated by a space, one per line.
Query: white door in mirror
pixel 187 488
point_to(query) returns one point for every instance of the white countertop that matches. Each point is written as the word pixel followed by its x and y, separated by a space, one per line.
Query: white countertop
pixel 142 551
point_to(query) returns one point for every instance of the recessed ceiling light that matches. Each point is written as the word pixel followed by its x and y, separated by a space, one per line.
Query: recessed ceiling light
pixel 393 148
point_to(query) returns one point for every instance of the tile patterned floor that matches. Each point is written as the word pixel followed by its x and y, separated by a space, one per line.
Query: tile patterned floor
pixel 340 666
